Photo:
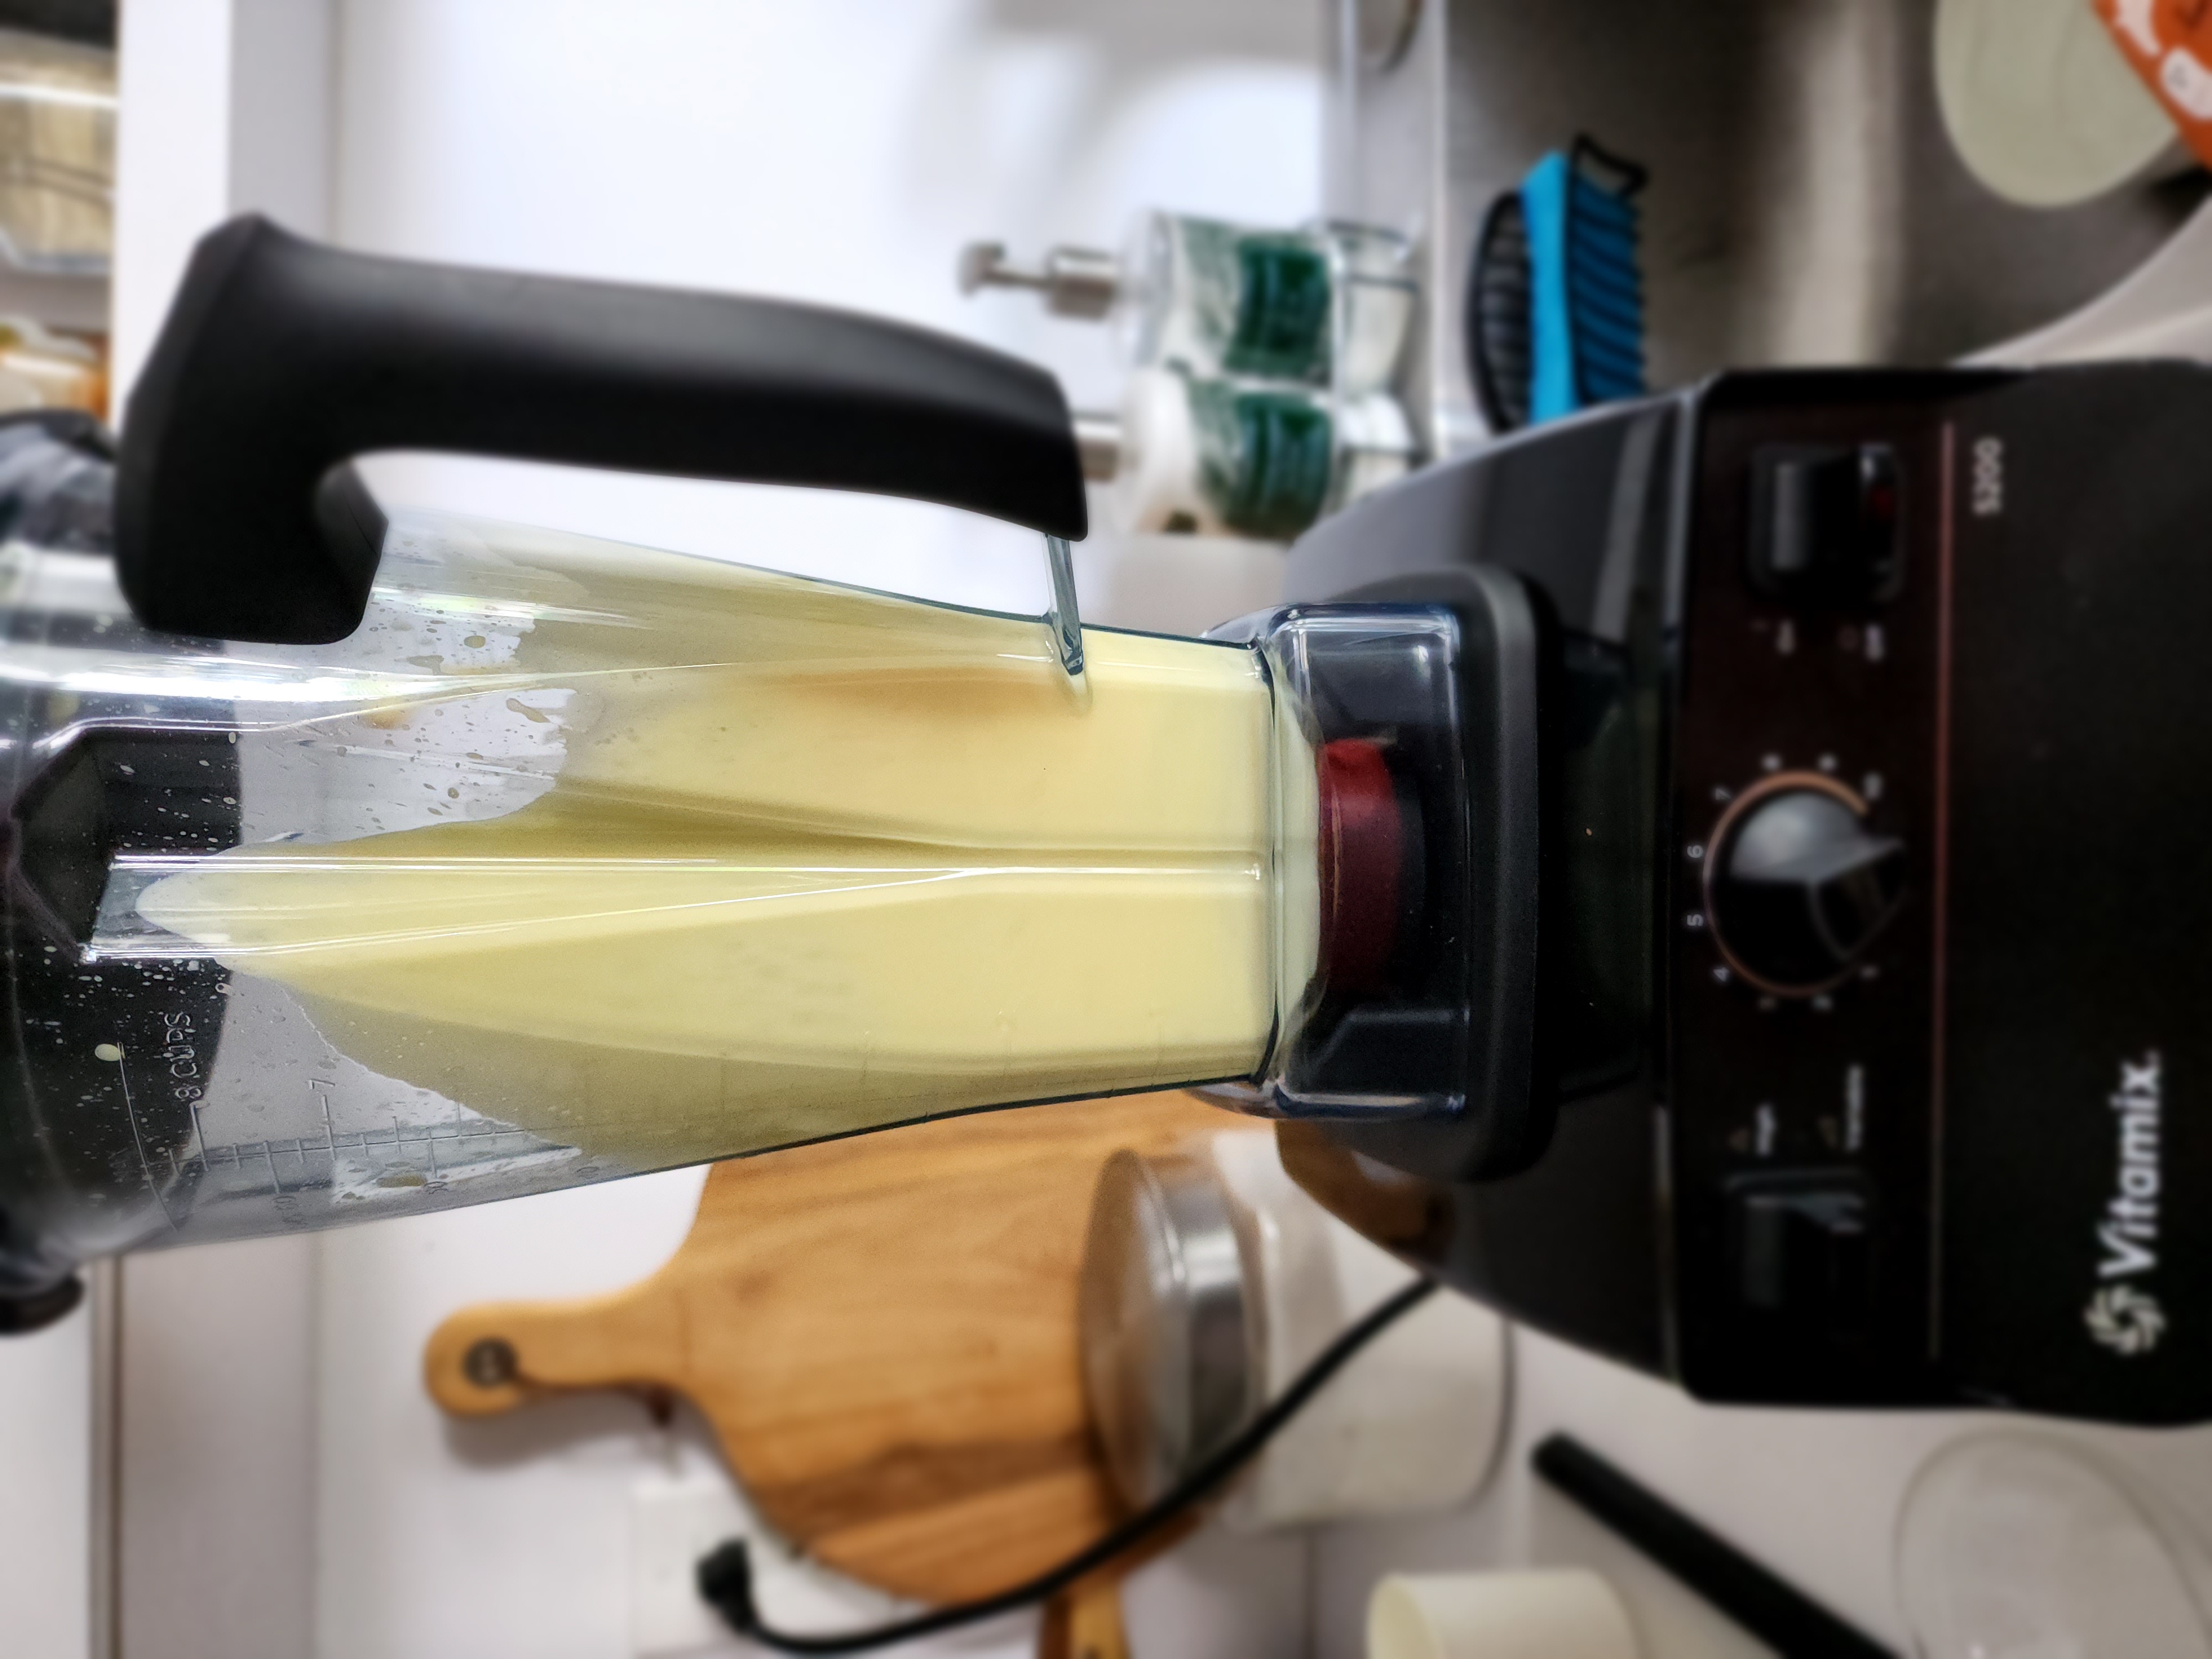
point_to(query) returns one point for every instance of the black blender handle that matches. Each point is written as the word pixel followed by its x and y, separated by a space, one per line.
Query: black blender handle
pixel 282 359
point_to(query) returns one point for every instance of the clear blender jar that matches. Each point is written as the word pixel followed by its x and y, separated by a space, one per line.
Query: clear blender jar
pixel 408 862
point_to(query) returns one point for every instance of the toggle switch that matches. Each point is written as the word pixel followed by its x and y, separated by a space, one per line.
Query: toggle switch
pixel 1803 1246
pixel 1826 525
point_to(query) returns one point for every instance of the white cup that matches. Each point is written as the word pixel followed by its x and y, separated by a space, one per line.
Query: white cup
pixel 1556 1614
pixel 1413 1423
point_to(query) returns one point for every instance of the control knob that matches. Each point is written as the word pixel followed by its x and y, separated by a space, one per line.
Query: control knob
pixel 1796 885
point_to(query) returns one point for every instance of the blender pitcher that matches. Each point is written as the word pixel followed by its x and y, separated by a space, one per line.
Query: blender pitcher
pixel 360 865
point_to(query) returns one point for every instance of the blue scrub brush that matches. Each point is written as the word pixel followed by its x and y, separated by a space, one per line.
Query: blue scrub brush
pixel 1555 301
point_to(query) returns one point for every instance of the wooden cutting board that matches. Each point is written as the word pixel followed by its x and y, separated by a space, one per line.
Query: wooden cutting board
pixel 882 1331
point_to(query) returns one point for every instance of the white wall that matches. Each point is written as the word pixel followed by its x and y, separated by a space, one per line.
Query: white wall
pixel 46 1586
pixel 225 107
pixel 839 151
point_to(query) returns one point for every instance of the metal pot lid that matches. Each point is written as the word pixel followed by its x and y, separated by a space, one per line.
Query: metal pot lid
pixel 1164 1320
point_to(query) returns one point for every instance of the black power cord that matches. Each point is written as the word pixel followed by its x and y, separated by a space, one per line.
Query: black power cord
pixel 725 1575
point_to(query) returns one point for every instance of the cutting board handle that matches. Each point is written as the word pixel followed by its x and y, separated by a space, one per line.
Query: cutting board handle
pixel 496 1356
pixel 1084 1621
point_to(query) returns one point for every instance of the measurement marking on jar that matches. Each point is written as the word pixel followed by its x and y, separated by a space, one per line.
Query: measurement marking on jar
pixel 383 1147
pixel 123 1081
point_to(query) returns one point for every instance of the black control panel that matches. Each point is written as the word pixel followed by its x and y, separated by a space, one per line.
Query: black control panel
pixel 1801 919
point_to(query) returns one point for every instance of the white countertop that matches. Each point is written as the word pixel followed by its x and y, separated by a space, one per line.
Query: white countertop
pixel 1814 1496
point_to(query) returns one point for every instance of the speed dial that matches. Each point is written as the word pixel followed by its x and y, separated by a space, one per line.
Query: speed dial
pixel 1796 885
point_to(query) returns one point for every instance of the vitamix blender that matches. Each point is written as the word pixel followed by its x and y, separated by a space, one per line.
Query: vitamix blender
pixel 1870 954
pixel 1721 878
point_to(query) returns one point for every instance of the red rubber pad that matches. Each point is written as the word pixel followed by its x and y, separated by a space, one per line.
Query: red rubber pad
pixel 1362 844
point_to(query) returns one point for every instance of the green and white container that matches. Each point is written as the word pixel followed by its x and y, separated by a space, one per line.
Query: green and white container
pixel 1327 305
pixel 1210 455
